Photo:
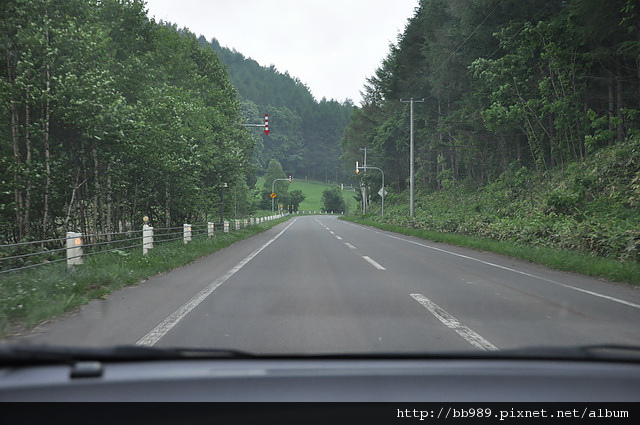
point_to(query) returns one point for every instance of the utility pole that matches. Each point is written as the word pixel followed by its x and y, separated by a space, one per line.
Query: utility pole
pixel 363 189
pixel 222 186
pixel 410 102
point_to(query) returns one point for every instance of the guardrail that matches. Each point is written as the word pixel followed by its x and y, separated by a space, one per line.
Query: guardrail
pixel 75 246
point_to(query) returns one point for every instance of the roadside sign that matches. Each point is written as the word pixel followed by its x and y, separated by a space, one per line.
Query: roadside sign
pixel 381 193
pixel 273 195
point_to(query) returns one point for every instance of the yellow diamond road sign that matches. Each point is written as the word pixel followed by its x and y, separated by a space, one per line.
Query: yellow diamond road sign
pixel 273 195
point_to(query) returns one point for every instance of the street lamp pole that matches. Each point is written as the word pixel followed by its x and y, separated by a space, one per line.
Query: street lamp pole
pixel 411 155
pixel 272 191
pixel 363 189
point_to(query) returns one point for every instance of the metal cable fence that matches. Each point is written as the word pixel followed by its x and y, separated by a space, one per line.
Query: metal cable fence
pixel 75 246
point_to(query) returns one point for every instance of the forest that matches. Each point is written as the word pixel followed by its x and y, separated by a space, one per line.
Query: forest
pixel 539 83
pixel 307 132
pixel 526 125
pixel 109 116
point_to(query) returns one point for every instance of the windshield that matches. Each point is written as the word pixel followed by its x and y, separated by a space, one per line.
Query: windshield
pixel 303 178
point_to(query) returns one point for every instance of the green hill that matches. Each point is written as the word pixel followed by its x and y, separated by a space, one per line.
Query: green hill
pixel 313 191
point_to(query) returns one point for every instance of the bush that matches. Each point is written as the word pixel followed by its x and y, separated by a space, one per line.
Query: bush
pixel 332 200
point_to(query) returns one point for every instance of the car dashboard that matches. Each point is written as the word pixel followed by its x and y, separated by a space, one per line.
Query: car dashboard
pixel 325 380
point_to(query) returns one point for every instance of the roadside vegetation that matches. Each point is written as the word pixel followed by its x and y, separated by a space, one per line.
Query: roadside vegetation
pixel 583 218
pixel 32 296
pixel 526 130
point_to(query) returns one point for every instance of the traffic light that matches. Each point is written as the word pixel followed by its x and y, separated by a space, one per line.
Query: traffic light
pixel 290 179
pixel 357 168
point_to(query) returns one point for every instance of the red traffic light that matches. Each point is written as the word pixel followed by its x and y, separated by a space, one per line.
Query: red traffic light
pixel 266 124
pixel 290 179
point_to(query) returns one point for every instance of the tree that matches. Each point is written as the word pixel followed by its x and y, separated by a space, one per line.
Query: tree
pixel 305 134
pixel 274 171
pixel 332 200
pixel 293 200
pixel 107 117
pixel 540 82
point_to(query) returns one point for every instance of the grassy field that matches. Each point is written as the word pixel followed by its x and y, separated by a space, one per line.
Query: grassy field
pixel 313 191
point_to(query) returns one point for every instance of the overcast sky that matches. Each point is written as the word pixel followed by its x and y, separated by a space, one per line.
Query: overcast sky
pixel 332 46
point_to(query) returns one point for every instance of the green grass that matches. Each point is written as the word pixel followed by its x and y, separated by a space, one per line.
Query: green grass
pixel 313 191
pixel 32 296
pixel 608 268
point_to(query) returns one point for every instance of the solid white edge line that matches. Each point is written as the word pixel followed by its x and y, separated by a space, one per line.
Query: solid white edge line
pixel 595 294
pixel 167 324
pixel 451 322
pixel 373 263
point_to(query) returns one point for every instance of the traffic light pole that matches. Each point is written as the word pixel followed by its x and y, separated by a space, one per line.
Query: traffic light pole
pixel 265 125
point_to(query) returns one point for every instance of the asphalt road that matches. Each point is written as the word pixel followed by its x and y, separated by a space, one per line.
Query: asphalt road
pixel 316 284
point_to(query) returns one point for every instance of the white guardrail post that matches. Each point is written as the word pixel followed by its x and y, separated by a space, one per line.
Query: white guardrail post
pixel 226 226
pixel 210 232
pixel 237 224
pixel 186 232
pixel 74 249
pixel 147 238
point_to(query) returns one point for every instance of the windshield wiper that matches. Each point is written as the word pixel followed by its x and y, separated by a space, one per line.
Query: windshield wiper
pixel 52 354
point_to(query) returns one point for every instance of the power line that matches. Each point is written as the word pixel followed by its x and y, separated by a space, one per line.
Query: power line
pixel 467 39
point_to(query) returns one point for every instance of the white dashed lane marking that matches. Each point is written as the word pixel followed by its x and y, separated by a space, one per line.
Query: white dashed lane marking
pixel 451 322
pixel 373 263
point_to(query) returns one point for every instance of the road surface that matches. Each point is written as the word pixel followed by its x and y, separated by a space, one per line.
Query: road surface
pixel 316 284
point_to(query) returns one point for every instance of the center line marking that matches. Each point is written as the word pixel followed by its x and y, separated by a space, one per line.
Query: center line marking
pixel 165 326
pixel 349 245
pixel 449 321
pixel 338 237
pixel 373 263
